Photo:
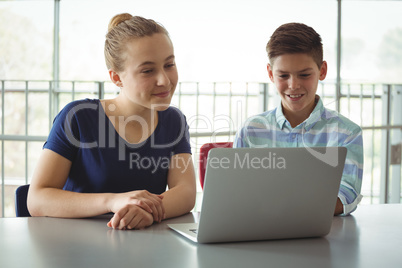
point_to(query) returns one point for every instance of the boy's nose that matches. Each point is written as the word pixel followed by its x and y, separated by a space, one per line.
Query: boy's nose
pixel 294 83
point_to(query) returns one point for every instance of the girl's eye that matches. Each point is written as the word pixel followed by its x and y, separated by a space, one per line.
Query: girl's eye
pixel 147 71
pixel 283 76
pixel 170 65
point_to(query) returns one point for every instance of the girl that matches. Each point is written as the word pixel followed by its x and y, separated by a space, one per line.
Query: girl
pixel 118 155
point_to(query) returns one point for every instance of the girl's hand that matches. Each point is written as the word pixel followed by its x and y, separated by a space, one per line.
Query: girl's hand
pixel 149 202
pixel 131 217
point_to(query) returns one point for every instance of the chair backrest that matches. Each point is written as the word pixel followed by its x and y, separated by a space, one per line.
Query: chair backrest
pixel 21 209
pixel 204 154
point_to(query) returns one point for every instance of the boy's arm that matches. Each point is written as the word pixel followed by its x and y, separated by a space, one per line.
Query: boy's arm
pixel 349 191
pixel 338 207
pixel 238 140
pixel 241 138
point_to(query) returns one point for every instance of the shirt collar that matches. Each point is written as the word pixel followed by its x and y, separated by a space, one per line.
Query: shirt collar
pixel 309 122
pixel 315 115
pixel 280 117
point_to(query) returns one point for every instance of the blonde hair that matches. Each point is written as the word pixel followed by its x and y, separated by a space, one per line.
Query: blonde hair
pixel 122 29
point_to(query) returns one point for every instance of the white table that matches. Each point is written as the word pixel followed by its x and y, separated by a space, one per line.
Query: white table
pixel 372 237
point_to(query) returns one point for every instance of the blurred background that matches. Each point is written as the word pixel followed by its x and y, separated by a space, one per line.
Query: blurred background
pixel 51 52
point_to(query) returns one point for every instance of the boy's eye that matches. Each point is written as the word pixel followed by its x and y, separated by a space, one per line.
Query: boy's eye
pixel 147 71
pixel 305 75
pixel 169 65
pixel 283 76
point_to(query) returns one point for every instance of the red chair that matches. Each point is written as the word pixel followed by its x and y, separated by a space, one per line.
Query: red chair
pixel 204 154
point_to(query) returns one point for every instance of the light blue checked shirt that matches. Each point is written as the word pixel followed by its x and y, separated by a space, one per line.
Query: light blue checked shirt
pixel 323 127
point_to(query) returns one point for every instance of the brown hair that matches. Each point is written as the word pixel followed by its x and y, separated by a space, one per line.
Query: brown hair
pixel 123 28
pixel 292 38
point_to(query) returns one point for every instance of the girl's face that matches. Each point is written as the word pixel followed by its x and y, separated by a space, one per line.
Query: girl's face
pixel 296 78
pixel 150 75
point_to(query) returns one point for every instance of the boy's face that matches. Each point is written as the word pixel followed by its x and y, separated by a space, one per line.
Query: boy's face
pixel 296 78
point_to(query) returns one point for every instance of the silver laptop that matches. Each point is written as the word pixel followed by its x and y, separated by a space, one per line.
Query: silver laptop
pixel 267 193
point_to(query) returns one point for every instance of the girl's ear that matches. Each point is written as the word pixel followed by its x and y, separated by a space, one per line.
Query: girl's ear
pixel 115 77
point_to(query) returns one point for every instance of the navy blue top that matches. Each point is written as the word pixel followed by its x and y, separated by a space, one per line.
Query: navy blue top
pixel 103 162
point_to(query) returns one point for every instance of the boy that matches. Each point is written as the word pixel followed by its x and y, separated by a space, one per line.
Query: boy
pixel 295 66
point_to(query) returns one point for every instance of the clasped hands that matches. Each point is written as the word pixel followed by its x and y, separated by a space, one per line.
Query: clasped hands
pixel 136 210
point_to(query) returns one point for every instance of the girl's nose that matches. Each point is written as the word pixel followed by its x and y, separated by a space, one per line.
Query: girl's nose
pixel 163 79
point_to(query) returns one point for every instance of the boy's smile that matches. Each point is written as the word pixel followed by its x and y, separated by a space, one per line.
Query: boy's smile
pixel 296 78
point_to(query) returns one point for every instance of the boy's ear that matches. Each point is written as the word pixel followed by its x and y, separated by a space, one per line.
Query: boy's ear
pixel 270 73
pixel 115 77
pixel 323 70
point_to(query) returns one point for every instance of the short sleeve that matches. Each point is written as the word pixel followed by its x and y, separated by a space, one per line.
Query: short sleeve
pixel 183 144
pixel 70 128
pixel 172 132
pixel 58 140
